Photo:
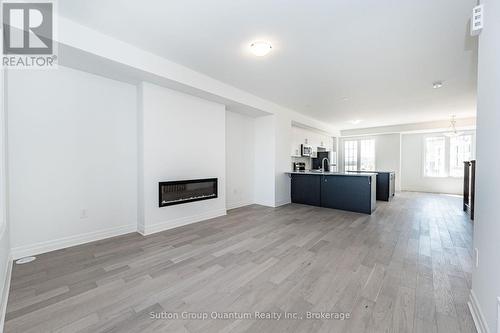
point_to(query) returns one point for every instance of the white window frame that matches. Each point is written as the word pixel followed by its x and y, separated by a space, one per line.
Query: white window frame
pixel 360 148
pixel 358 156
pixel 344 155
pixel 472 152
pixel 446 153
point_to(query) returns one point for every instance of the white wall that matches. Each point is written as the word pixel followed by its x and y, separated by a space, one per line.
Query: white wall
pixel 4 225
pixel 240 159
pixel 283 134
pixel 4 273
pixel 265 159
pixel 91 49
pixel 183 137
pixel 388 155
pixel 486 278
pixel 72 146
pixel 273 142
pixel 273 137
pixel 412 169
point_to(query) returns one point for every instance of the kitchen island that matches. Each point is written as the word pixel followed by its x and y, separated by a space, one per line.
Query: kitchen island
pixel 386 184
pixel 354 192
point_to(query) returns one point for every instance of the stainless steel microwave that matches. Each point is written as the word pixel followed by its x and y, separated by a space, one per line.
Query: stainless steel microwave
pixel 306 150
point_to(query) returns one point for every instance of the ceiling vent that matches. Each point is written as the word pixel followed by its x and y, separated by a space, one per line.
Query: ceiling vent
pixel 476 23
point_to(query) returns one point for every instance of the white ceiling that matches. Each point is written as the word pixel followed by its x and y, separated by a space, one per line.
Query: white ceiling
pixel 334 60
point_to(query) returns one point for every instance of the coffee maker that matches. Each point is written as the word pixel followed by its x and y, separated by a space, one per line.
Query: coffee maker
pixel 299 166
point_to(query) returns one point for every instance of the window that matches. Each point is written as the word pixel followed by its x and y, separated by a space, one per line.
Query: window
pixel 435 156
pixel 351 155
pixel 367 154
pixel 444 156
pixel 460 151
pixel 359 155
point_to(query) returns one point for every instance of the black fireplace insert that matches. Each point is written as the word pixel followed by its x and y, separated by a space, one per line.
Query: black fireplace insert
pixel 182 191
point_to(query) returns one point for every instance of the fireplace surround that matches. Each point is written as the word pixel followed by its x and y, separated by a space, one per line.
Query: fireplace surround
pixel 183 191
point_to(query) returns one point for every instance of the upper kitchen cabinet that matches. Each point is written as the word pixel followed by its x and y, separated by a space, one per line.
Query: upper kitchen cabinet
pixel 331 143
pixel 302 136
pixel 322 141
pixel 316 140
pixel 297 140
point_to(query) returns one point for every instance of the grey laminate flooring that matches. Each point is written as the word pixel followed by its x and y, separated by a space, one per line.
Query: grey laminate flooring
pixel 406 268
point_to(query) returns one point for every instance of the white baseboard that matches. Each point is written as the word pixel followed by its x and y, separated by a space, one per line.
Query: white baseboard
pixel 282 203
pixel 61 243
pixel 238 204
pixel 477 314
pixel 162 226
pixel 427 191
pixel 498 314
pixel 5 292
pixel 141 229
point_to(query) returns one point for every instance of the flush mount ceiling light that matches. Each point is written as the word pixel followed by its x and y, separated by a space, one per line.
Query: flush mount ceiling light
pixel 356 121
pixel 437 84
pixel 260 48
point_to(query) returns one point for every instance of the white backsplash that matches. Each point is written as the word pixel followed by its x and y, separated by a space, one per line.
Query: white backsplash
pixel 306 160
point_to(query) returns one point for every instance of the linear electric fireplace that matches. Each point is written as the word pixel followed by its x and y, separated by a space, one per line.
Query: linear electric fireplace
pixel 182 191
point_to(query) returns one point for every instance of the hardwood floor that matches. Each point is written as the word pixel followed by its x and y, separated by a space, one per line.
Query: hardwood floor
pixel 406 268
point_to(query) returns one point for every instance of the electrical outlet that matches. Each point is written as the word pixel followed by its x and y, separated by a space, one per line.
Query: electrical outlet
pixel 476 257
pixel 83 213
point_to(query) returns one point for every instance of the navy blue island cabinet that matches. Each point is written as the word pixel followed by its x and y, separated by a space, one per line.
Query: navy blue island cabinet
pixel 352 192
pixel 386 184
pixel 306 189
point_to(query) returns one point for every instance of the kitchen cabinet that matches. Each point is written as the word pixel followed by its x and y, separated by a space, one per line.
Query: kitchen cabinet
pixel 310 138
pixel 331 144
pixel 355 194
pixel 295 147
pixel 306 189
pixel 299 137
pixel 352 192
pixel 386 184
pixel 295 142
